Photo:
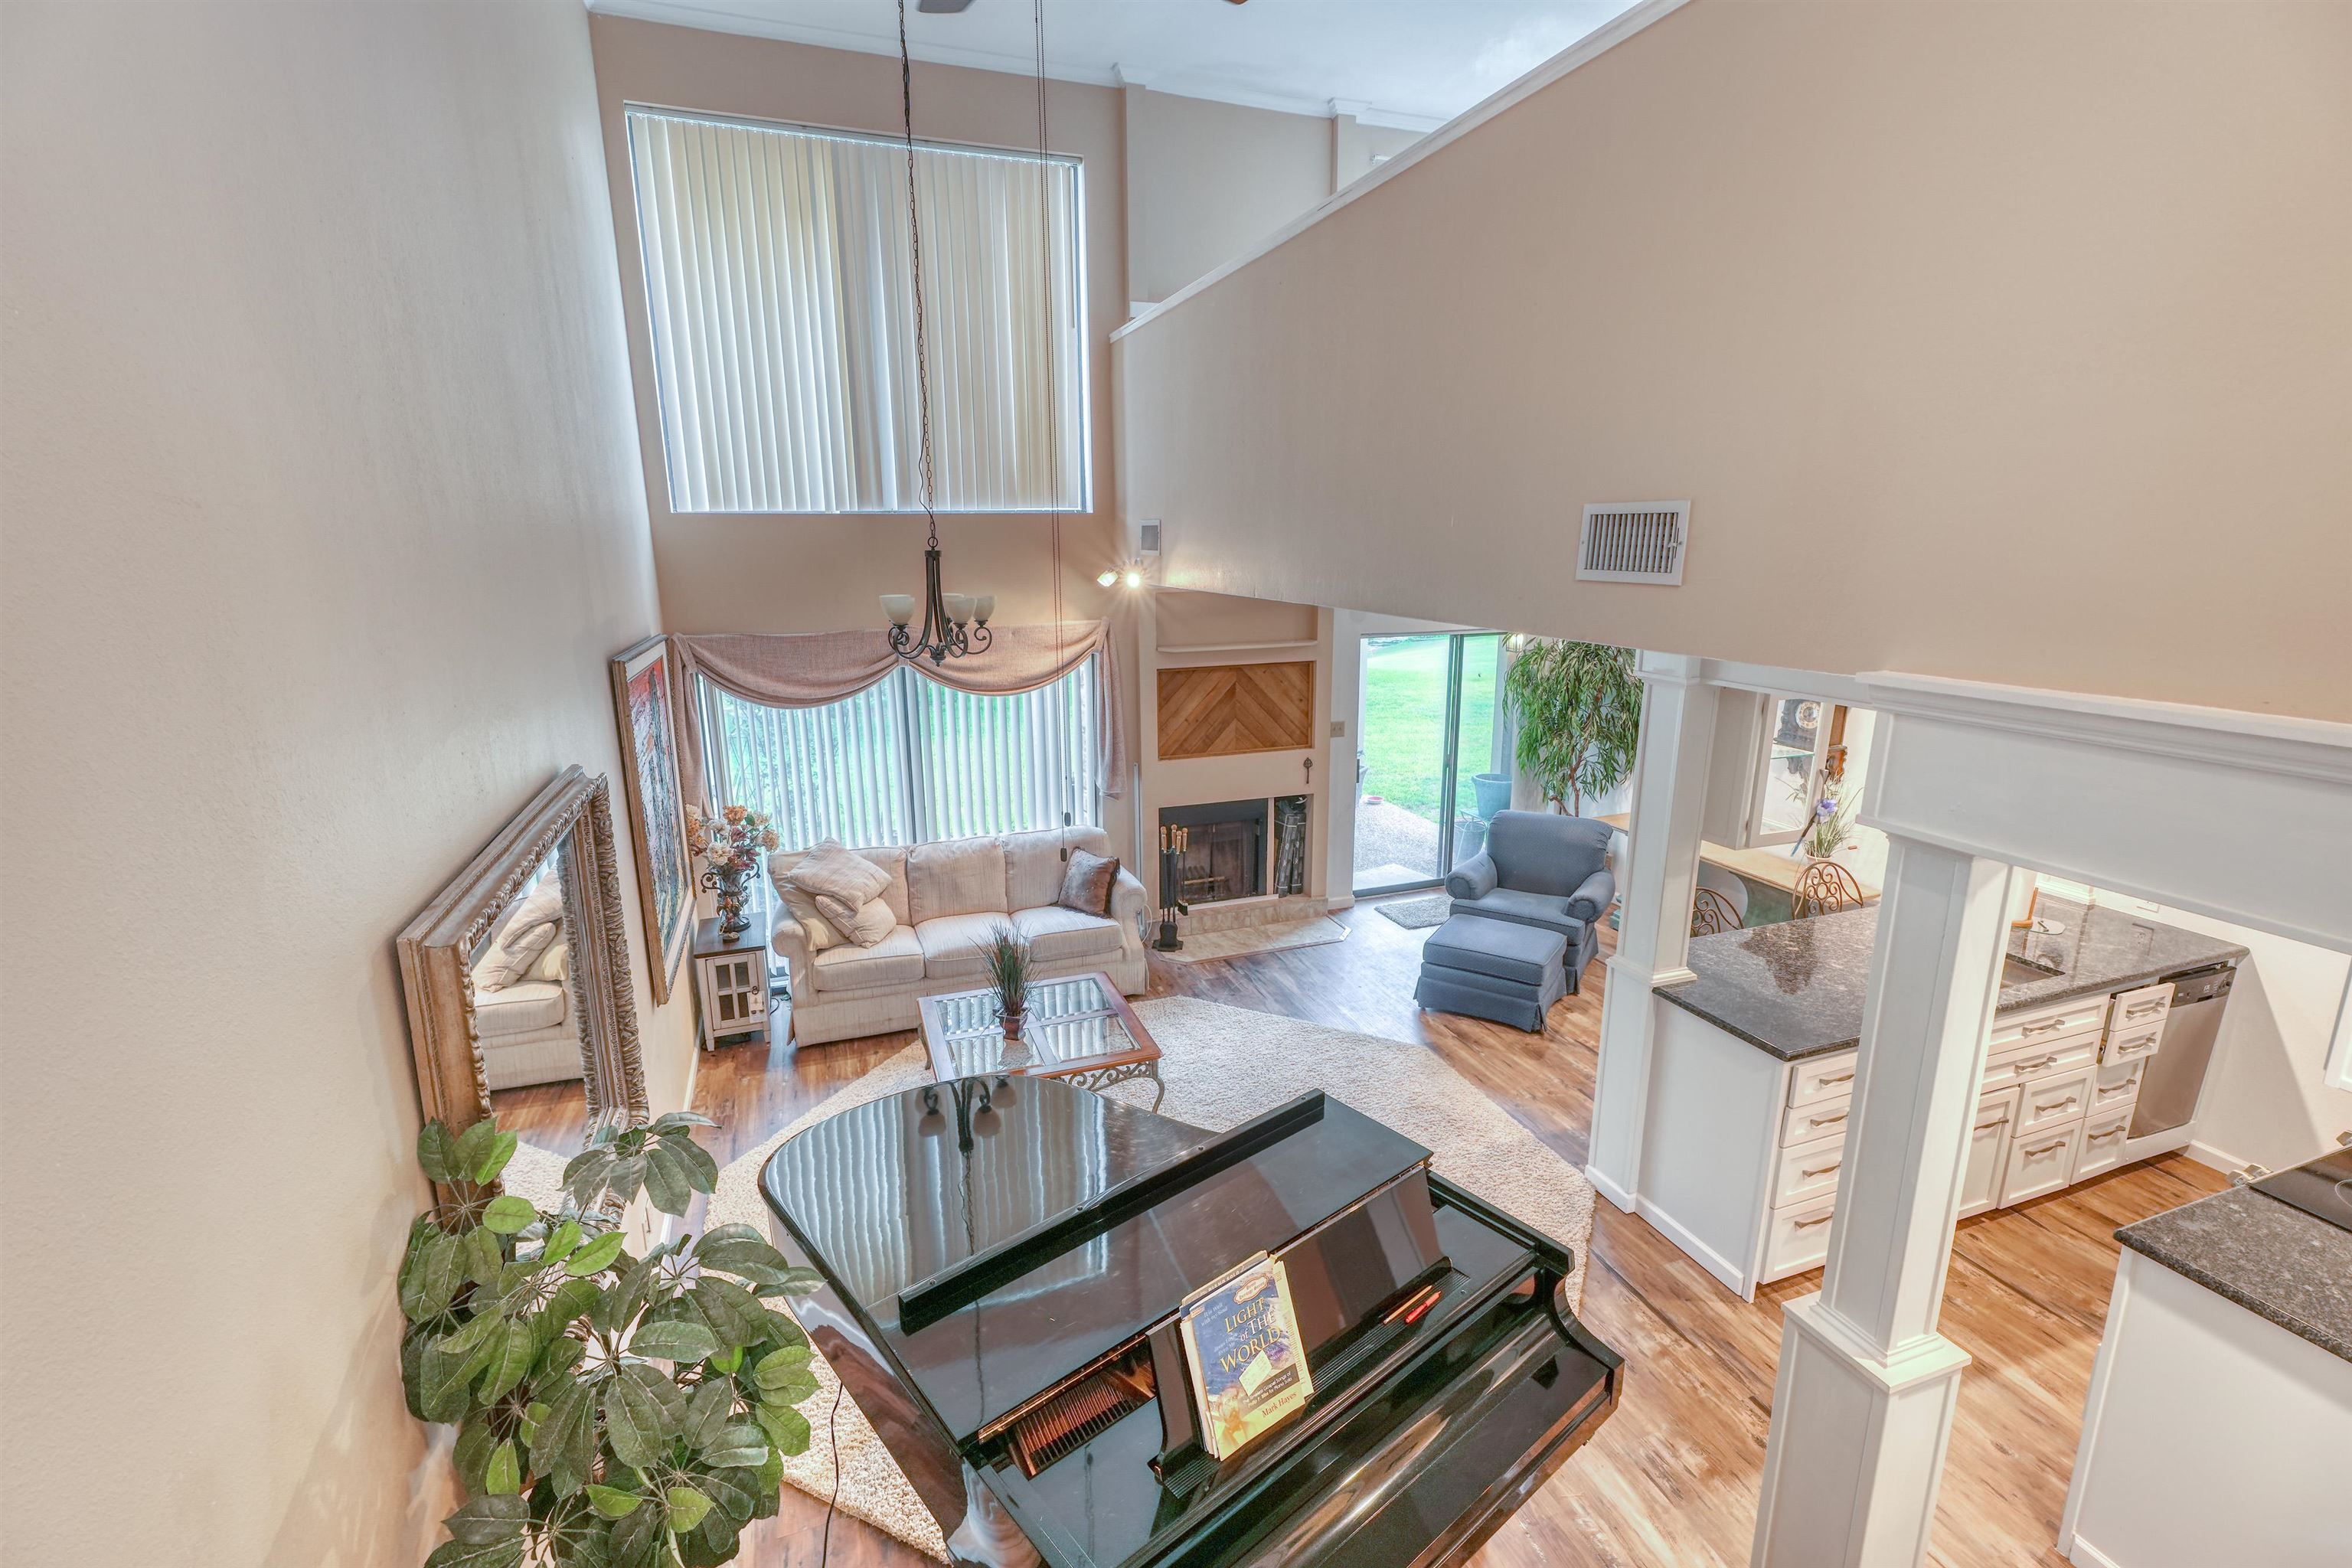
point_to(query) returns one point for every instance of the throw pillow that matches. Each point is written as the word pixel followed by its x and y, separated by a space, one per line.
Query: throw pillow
pixel 871 923
pixel 511 956
pixel 543 906
pixel 839 883
pixel 550 966
pixel 1087 883
pixel 815 930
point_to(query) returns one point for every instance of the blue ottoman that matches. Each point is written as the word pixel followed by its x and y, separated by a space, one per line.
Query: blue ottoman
pixel 1494 969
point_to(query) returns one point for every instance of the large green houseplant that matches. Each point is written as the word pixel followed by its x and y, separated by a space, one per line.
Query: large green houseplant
pixel 1578 708
pixel 613 1411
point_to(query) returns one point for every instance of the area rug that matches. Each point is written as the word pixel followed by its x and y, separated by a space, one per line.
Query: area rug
pixel 1222 1066
pixel 1419 914
pixel 1234 942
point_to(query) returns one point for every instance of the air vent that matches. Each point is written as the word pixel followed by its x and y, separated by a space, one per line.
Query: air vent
pixel 1147 539
pixel 1633 542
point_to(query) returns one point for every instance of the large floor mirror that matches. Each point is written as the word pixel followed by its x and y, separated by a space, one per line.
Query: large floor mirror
pixel 517 979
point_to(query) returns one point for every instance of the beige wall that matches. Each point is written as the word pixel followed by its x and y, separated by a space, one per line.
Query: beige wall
pixel 321 515
pixel 1206 181
pixel 2001 342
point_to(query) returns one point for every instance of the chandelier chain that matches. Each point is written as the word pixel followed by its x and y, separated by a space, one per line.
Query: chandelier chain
pixel 915 250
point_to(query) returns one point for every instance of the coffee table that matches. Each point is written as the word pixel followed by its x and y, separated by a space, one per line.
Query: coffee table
pixel 1078 1028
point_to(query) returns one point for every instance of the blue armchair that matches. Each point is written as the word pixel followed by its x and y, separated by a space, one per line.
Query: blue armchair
pixel 1541 870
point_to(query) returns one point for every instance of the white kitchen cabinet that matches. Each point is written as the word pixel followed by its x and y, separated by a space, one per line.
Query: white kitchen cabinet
pixel 2045 1102
pixel 2040 1163
pixel 2102 1143
pixel 1988 1152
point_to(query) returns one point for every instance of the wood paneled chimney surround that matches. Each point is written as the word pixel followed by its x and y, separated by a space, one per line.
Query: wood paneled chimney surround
pixel 1225 709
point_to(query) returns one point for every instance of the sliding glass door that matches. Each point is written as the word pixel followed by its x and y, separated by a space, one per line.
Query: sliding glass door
pixel 1430 769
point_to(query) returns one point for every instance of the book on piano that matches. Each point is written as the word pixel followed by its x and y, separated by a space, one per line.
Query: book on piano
pixel 1242 1349
pixel 1018 1274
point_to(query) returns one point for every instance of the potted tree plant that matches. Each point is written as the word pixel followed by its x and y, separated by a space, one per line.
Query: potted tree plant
pixel 1579 710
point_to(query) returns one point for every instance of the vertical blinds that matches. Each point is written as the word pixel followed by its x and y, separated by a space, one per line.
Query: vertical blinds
pixel 780 289
pixel 908 761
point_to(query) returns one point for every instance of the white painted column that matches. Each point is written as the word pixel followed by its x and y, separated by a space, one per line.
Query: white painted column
pixel 1862 1406
pixel 1661 878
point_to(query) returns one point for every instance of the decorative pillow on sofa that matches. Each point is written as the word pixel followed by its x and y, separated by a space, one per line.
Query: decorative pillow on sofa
pixel 550 965
pixel 815 928
pixel 1087 882
pixel 509 958
pixel 874 923
pixel 840 884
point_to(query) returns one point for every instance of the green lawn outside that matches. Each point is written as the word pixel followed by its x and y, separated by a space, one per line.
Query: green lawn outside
pixel 1404 719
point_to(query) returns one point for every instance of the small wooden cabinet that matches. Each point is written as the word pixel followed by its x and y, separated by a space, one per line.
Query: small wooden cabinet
pixel 731 984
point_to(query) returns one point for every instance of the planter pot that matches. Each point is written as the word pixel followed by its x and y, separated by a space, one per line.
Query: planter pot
pixel 1012 1020
pixel 1492 792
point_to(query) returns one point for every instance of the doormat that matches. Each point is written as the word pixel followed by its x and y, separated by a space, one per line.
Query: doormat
pixel 1418 914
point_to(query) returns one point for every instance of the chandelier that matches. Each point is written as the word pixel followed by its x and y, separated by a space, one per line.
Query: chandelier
pixel 953 623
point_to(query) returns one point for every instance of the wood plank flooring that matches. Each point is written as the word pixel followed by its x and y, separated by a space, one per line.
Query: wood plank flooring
pixel 1671 1480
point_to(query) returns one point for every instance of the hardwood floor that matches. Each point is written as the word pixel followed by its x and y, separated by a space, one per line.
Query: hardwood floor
pixel 1671 1480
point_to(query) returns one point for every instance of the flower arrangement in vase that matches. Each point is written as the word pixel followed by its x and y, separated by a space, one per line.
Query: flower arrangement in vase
pixel 731 844
pixel 1832 825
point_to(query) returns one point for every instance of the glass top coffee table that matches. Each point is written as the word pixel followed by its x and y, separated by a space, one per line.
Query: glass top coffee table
pixel 1078 1028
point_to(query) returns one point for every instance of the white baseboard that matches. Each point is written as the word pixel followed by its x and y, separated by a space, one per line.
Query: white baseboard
pixel 2220 1160
pixel 1617 1195
pixel 1700 1253
pixel 2083 1554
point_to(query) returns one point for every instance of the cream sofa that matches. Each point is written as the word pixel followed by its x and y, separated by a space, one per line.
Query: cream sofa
pixel 527 1033
pixel 948 896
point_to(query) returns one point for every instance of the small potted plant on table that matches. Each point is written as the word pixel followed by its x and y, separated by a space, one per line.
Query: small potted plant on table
pixel 1006 957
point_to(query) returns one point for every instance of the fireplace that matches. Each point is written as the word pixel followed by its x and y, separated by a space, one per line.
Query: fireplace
pixel 1209 854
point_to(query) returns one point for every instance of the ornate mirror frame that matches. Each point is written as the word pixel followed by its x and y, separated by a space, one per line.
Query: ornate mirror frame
pixel 439 949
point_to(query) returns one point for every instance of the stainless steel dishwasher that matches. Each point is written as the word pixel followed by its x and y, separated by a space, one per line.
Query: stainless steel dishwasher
pixel 2175 1074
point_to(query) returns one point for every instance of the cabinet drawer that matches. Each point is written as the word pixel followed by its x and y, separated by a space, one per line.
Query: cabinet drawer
pixel 2103 1136
pixel 2148 1005
pixel 2043 1025
pixel 2131 1042
pixel 2040 1163
pixel 1822 1119
pixel 2047 1101
pixel 1808 1171
pixel 2117 1088
pixel 1798 1238
pixel 1822 1077
pixel 2023 1064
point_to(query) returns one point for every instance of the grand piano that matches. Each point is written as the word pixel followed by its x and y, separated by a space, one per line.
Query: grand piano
pixel 1004 1260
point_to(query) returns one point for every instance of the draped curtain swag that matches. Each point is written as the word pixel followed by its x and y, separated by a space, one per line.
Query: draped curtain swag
pixel 815 669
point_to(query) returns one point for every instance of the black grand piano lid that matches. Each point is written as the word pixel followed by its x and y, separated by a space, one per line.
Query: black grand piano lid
pixel 902 1189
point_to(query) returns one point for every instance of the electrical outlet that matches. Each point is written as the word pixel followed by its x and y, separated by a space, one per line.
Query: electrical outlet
pixel 1338 729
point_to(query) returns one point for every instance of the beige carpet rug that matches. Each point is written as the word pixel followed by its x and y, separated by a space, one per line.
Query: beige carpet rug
pixel 1234 942
pixel 1222 1066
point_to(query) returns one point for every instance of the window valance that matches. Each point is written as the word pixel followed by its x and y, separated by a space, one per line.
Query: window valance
pixel 813 668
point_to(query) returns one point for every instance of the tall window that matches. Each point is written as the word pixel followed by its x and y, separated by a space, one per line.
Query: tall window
pixel 780 284
pixel 908 759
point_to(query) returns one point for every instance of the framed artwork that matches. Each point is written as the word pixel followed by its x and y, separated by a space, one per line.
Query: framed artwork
pixel 642 702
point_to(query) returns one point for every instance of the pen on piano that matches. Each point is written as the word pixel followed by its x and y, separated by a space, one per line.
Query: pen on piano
pixel 1413 1307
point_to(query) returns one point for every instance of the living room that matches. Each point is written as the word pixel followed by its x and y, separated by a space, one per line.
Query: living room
pixel 1491 597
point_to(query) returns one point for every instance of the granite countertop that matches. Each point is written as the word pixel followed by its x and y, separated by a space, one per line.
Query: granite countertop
pixel 1795 989
pixel 2270 1257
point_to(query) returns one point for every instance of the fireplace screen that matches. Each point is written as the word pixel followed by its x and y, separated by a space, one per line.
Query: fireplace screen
pixel 1212 853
